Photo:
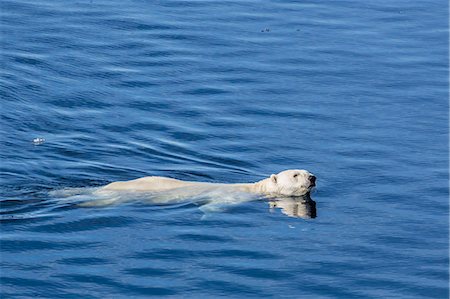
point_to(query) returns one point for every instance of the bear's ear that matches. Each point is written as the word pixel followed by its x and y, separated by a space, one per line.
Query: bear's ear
pixel 273 178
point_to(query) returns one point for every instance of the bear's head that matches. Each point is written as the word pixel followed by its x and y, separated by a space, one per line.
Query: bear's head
pixel 293 182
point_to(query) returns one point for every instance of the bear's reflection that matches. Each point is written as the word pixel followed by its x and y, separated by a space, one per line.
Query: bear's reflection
pixel 299 207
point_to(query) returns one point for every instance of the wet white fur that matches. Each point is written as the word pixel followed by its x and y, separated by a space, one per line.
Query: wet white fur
pixel 163 190
pixel 293 182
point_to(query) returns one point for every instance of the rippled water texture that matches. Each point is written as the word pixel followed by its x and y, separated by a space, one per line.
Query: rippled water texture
pixel 225 91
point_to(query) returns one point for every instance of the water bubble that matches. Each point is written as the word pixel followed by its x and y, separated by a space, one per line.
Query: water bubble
pixel 38 140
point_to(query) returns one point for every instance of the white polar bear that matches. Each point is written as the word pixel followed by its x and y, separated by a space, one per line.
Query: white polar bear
pixel 293 182
pixel 211 196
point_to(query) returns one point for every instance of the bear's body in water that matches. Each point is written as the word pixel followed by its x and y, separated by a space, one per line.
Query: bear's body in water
pixel 286 183
pixel 293 184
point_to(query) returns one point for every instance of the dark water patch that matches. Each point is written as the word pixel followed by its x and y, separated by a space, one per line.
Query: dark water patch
pixel 203 238
pixel 11 266
pixel 151 105
pixel 117 286
pixel 329 289
pixel 407 288
pixel 18 246
pixel 35 288
pixel 88 224
pixel 12 203
pixel 83 261
pixel 25 209
pixel 257 273
pixel 165 254
pixel 15 220
pixel 131 25
pixel 243 254
pixel 80 100
pixel 183 254
pixel 205 91
pixel 31 283
pixel 220 287
pixel 27 60
pixel 151 272
pixel 242 80
pixel 136 84
pixel 212 223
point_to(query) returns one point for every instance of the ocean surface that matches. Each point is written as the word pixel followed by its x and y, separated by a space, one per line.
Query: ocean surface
pixel 225 91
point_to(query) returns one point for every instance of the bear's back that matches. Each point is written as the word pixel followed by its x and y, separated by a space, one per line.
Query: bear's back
pixel 150 183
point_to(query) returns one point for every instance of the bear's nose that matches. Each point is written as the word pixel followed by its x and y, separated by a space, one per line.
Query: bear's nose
pixel 312 179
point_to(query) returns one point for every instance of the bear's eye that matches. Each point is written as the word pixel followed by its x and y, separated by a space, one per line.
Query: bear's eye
pixel 295 175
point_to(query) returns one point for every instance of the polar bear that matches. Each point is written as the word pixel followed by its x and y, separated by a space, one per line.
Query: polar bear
pixel 211 196
pixel 294 182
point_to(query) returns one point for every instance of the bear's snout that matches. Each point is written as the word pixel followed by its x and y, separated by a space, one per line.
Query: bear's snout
pixel 312 179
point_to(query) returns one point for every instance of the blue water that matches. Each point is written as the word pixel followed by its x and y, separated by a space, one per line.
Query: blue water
pixel 225 91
